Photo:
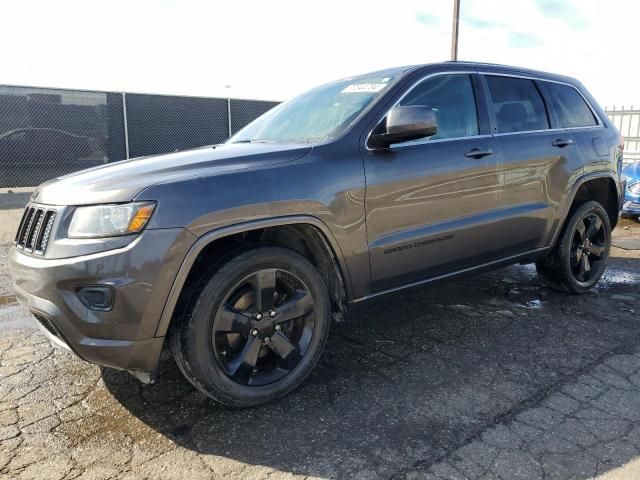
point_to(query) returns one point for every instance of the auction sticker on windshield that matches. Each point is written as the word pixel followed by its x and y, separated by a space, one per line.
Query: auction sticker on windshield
pixel 364 87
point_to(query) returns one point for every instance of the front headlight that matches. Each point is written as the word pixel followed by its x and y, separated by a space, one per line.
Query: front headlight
pixel 110 220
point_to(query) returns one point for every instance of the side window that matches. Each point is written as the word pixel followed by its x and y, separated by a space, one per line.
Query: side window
pixel 517 105
pixel 452 98
pixel 569 105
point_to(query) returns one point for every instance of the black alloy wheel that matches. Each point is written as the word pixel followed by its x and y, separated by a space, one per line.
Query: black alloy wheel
pixel 588 247
pixel 579 257
pixel 253 326
pixel 264 326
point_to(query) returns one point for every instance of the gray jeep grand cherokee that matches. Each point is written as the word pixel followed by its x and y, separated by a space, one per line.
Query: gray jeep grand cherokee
pixel 237 256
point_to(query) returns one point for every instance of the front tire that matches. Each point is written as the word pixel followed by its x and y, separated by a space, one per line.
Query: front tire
pixel 254 328
pixel 579 258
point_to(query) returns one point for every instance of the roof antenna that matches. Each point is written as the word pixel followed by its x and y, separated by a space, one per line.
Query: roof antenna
pixel 454 32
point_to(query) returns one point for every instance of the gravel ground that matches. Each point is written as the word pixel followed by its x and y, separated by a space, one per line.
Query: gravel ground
pixel 487 377
pixel 5 279
pixel 9 222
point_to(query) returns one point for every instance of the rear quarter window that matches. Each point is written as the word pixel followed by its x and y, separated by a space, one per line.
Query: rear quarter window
pixel 517 104
pixel 570 107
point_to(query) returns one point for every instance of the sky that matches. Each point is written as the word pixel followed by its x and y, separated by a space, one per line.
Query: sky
pixel 276 49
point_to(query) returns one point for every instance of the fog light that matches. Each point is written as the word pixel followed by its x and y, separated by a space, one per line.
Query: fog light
pixel 96 297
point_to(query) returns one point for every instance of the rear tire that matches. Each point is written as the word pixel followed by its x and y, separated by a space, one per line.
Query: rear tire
pixel 579 257
pixel 254 328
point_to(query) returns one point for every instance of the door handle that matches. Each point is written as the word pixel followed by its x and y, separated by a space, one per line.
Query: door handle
pixel 561 142
pixel 478 153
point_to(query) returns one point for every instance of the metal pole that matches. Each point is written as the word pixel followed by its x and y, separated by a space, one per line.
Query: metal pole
pixel 229 113
pixel 228 87
pixel 454 32
pixel 126 123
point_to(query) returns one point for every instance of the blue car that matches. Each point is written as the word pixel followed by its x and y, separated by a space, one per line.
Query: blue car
pixel 631 206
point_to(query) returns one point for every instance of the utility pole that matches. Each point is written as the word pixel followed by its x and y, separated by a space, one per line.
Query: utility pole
pixel 454 32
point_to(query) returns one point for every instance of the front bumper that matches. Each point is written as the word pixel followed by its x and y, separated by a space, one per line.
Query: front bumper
pixel 631 208
pixel 139 357
pixel 140 274
pixel 631 204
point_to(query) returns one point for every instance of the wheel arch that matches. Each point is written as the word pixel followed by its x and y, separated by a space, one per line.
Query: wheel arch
pixel 601 187
pixel 317 238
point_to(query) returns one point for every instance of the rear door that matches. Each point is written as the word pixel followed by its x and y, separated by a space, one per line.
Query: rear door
pixel 430 203
pixel 572 112
pixel 537 160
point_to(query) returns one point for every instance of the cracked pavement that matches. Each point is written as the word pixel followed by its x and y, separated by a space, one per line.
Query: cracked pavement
pixel 489 377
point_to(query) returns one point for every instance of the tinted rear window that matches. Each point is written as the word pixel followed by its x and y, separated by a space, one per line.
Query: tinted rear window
pixel 517 105
pixel 570 107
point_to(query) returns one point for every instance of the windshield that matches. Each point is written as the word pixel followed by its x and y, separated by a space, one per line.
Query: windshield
pixel 317 115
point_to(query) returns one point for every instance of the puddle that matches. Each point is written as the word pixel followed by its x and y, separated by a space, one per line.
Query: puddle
pixel 106 420
pixel 535 304
pixel 620 276
pixel 625 297
pixel 525 296
pixel 6 300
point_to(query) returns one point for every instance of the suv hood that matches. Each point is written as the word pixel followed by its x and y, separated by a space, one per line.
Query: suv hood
pixel 122 181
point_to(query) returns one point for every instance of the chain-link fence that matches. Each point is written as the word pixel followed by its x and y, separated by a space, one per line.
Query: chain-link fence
pixel 45 133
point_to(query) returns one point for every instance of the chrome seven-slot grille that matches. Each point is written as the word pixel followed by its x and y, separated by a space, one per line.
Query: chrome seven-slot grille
pixel 35 229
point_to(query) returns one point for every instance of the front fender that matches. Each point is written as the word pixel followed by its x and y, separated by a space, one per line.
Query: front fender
pixel 217 234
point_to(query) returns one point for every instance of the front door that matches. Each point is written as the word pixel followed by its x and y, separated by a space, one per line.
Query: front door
pixel 430 204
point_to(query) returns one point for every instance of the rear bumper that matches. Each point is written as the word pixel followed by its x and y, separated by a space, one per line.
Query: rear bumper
pixel 140 274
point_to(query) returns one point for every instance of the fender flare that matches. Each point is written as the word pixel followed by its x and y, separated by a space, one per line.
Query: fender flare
pixel 208 238
pixel 574 190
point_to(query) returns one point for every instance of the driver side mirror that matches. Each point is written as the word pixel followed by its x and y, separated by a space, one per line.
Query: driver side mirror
pixel 406 123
